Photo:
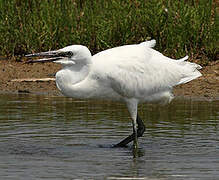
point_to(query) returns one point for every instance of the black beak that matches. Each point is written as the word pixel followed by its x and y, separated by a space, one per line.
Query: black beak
pixel 49 56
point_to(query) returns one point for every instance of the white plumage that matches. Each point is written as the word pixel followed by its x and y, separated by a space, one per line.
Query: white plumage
pixel 131 73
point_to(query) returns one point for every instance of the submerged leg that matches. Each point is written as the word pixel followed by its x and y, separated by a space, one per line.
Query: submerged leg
pixel 135 132
pixel 132 137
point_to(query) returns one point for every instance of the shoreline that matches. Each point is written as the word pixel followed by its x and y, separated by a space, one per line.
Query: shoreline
pixel 205 87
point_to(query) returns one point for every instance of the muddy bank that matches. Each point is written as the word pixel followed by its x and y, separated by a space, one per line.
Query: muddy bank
pixel 206 86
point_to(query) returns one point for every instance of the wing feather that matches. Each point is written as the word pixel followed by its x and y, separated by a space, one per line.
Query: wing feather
pixel 140 71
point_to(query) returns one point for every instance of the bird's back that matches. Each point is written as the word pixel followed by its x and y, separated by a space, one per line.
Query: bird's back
pixel 139 71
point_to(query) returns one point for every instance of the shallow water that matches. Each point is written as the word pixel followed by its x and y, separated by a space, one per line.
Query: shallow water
pixel 59 138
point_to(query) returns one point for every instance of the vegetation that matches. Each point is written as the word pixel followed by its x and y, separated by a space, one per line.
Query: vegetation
pixel 179 27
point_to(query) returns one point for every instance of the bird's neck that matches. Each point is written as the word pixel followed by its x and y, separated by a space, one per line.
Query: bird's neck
pixel 69 79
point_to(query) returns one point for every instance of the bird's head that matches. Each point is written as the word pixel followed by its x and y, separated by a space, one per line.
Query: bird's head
pixel 67 56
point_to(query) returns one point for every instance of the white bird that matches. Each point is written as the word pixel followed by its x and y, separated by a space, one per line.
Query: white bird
pixel 132 74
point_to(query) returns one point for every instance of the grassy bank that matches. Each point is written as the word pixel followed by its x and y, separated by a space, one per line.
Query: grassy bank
pixel 180 27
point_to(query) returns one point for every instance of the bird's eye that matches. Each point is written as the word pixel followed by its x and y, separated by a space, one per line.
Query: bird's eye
pixel 69 54
pixel 66 54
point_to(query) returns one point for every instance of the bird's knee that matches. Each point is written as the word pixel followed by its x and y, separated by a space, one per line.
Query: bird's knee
pixel 141 131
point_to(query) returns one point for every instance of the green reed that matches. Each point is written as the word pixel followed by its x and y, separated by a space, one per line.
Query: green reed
pixel 179 27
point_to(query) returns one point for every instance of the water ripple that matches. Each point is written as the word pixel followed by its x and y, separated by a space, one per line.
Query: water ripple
pixel 60 138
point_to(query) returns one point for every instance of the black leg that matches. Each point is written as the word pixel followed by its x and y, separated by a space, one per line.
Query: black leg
pixel 140 132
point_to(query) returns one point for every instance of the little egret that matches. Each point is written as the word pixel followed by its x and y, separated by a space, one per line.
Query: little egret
pixel 132 74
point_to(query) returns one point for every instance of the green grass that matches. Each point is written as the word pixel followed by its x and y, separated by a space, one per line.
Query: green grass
pixel 179 27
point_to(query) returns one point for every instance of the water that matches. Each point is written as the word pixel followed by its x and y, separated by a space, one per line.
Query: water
pixel 56 138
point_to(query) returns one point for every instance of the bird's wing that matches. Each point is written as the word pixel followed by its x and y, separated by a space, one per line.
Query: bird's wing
pixel 138 70
pixel 149 44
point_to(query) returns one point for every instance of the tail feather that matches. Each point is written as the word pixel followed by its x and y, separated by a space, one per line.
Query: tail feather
pixel 190 70
pixel 184 80
pixel 183 59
